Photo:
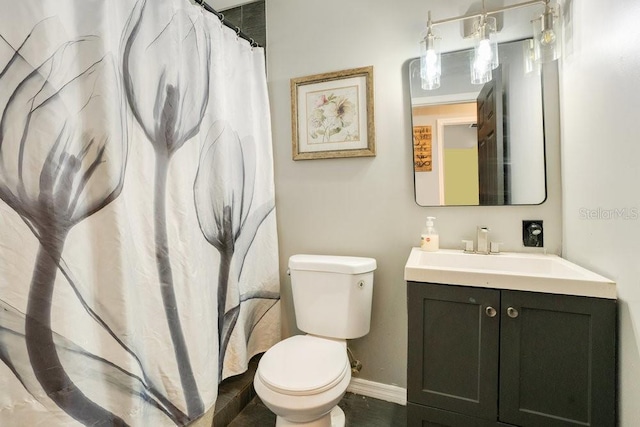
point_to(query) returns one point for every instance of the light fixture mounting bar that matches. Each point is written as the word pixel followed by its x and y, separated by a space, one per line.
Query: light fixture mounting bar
pixel 489 12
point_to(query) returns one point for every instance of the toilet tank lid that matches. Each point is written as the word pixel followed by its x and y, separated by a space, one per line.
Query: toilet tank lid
pixel 332 263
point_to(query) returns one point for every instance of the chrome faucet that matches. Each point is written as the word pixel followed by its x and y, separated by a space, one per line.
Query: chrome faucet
pixel 483 241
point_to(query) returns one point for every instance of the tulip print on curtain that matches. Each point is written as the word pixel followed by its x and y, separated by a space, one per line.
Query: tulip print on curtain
pixel 138 250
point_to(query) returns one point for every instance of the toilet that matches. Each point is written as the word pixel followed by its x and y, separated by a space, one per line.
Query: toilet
pixel 302 378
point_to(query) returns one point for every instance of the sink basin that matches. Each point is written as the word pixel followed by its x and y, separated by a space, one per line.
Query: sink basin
pixel 507 270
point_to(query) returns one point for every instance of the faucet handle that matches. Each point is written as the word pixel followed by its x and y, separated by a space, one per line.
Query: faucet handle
pixel 494 247
pixel 468 246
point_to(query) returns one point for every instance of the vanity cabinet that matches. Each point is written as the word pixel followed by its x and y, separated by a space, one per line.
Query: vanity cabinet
pixel 492 357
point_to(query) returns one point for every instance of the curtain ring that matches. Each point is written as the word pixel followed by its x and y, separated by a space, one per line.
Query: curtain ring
pixel 221 17
pixel 237 32
pixel 253 43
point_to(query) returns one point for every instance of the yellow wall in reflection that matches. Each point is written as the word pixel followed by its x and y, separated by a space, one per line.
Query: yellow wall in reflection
pixel 461 176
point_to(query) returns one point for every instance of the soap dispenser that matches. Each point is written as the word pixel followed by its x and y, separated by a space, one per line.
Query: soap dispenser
pixel 429 239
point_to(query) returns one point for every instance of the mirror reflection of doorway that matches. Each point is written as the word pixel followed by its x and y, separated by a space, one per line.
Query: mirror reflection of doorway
pixel 438 117
pixel 460 162
pixel 493 148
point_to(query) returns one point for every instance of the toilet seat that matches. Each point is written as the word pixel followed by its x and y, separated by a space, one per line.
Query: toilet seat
pixel 304 365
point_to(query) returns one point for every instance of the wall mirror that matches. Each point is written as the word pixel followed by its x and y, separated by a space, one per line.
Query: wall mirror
pixel 479 144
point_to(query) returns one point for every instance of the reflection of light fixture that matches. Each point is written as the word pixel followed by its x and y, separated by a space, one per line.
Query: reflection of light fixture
pixel 528 55
pixel 485 57
pixel 430 69
pixel 546 34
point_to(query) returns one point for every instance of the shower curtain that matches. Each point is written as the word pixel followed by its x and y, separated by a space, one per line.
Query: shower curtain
pixel 138 248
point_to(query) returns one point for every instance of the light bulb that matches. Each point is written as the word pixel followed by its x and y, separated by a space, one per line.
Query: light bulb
pixel 431 59
pixel 548 37
pixel 484 51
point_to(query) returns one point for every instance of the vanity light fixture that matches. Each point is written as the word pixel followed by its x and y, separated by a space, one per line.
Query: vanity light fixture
pixel 485 51
pixel 430 66
pixel 546 32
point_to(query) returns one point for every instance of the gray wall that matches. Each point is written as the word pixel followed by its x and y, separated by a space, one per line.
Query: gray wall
pixel 601 152
pixel 365 206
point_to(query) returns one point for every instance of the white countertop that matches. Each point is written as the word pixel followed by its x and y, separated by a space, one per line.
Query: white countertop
pixel 507 270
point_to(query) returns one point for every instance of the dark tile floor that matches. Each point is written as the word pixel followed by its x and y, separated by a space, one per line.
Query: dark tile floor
pixel 234 394
pixel 360 411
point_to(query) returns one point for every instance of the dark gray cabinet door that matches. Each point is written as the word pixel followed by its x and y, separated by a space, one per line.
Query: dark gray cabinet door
pixel 557 360
pixel 453 348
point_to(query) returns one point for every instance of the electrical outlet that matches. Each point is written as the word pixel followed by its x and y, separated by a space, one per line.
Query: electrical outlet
pixel 532 233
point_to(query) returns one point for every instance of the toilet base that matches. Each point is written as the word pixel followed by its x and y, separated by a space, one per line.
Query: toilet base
pixel 335 418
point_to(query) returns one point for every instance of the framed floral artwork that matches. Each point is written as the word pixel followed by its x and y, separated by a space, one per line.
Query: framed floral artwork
pixel 332 115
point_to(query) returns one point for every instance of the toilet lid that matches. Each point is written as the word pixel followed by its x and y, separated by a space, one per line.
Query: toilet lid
pixel 303 365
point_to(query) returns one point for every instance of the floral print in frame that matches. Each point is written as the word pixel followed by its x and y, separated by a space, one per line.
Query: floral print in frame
pixel 332 115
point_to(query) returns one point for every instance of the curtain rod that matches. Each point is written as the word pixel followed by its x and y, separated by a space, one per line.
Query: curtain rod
pixel 222 19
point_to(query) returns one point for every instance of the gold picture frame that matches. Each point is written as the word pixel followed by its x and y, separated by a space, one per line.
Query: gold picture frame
pixel 332 115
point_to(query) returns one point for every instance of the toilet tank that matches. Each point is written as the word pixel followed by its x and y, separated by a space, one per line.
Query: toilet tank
pixel 332 294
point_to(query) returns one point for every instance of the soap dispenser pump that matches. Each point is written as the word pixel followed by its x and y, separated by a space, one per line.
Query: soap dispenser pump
pixel 429 239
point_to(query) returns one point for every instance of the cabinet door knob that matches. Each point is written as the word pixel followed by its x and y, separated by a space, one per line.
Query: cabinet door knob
pixel 490 311
pixel 512 312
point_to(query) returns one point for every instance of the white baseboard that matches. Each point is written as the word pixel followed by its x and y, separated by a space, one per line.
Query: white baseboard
pixel 390 393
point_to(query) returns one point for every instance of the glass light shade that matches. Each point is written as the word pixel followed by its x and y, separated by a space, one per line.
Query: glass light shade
pixel 547 35
pixel 486 44
pixel 480 70
pixel 430 65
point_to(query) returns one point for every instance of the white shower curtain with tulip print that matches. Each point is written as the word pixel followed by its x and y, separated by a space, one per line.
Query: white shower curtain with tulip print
pixel 138 249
